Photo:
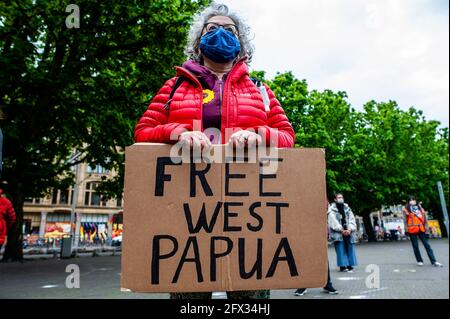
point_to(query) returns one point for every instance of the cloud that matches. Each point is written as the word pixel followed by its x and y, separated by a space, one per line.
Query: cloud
pixel 372 49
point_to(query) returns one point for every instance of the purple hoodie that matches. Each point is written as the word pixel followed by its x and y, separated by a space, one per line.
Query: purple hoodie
pixel 212 102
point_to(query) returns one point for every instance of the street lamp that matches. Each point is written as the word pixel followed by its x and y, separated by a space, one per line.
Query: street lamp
pixel 74 242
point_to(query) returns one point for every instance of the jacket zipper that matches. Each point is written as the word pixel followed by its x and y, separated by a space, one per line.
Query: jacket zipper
pixel 221 84
pixel 220 93
pixel 201 110
pixel 221 107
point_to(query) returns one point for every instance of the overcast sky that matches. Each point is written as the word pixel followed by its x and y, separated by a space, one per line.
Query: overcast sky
pixel 372 49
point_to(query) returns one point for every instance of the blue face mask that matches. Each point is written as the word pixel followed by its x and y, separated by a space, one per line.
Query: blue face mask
pixel 220 46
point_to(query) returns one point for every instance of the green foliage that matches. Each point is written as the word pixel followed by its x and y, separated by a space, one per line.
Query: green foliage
pixel 375 157
pixel 402 154
pixel 80 89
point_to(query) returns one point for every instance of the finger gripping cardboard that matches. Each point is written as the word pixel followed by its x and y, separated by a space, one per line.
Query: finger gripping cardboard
pixel 223 226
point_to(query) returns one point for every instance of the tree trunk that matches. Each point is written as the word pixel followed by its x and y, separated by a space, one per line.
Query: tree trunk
pixel 368 226
pixel 13 250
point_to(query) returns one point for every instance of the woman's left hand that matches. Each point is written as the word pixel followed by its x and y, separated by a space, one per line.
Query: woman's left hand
pixel 245 138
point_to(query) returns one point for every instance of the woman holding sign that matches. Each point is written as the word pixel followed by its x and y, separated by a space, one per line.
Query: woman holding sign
pixel 212 100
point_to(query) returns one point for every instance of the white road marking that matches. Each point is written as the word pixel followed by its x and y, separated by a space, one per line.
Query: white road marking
pixel 219 295
pixel 372 290
pixel 49 286
pixel 349 278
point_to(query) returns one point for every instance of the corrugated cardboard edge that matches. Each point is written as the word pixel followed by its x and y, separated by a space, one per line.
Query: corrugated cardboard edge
pixel 127 150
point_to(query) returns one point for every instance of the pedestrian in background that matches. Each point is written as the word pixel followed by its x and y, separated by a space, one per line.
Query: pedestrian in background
pixel 416 227
pixel 342 223
pixel 7 215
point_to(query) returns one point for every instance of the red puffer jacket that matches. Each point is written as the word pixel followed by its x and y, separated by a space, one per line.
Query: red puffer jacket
pixel 7 218
pixel 242 109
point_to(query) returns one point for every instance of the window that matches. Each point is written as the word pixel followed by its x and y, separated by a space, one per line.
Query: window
pixel 95 199
pixel 35 220
pixel 98 169
pixel 91 197
pixel 55 197
pixel 90 188
pixel 58 218
pixel 119 201
pixel 62 197
pixel 94 218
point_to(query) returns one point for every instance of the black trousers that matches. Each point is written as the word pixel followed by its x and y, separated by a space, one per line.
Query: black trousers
pixel 329 283
pixel 415 243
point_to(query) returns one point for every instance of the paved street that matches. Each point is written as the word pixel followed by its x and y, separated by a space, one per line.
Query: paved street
pixel 399 276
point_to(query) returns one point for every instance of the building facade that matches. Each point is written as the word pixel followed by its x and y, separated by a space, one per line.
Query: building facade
pixel 96 220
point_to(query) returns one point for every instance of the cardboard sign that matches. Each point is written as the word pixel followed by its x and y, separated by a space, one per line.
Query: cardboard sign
pixel 191 227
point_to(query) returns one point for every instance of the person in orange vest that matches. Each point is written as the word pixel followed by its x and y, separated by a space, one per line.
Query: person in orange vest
pixel 416 227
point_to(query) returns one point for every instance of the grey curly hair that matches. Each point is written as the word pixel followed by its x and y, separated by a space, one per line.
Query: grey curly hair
pixel 195 33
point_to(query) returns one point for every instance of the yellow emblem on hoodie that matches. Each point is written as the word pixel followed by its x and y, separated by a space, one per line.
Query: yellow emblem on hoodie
pixel 208 96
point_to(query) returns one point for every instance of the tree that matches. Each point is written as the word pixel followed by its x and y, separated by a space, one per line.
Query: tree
pixel 393 153
pixel 375 157
pixel 292 94
pixel 320 119
pixel 66 90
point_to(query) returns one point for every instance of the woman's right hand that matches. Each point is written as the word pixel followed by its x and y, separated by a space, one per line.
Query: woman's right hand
pixel 195 139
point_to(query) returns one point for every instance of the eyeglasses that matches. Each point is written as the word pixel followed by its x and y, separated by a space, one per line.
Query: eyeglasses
pixel 211 26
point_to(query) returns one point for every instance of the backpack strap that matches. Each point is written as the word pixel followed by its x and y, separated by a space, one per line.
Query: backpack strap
pixel 263 92
pixel 175 87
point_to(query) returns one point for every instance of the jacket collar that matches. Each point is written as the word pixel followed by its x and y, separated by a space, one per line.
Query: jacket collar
pixel 335 209
pixel 238 70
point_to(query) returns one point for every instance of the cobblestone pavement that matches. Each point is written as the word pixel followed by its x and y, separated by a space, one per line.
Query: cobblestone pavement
pixel 400 277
